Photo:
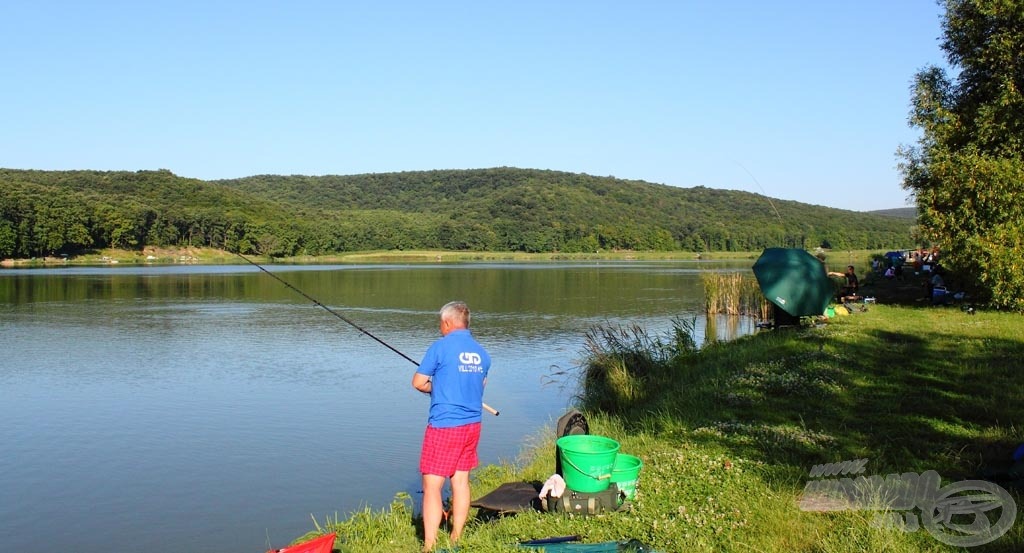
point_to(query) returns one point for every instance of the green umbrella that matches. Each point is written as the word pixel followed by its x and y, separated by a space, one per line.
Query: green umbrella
pixel 794 280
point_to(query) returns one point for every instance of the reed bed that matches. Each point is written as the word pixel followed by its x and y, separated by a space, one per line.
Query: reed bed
pixel 620 362
pixel 734 294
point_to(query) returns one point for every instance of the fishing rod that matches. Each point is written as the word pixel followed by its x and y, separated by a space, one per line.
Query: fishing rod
pixel 362 330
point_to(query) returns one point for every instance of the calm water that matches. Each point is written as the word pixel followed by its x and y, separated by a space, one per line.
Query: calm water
pixel 212 409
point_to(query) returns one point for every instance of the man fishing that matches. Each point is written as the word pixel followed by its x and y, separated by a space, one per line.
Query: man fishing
pixel 454 372
pixel 849 290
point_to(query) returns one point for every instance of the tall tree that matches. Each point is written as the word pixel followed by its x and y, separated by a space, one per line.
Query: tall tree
pixel 8 239
pixel 967 170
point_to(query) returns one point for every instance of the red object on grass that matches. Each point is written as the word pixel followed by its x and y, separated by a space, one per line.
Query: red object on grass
pixel 323 544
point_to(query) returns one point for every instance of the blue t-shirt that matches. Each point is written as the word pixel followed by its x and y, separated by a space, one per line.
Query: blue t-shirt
pixel 457 366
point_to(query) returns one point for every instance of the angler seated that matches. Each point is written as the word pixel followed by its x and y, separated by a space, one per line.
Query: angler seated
pixel 849 290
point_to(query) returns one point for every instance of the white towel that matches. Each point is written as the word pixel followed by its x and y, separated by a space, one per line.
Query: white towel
pixel 554 485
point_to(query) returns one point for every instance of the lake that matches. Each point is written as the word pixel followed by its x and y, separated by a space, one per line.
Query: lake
pixel 213 409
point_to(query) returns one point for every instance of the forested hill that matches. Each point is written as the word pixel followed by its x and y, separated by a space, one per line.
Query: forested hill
pixel 901 212
pixel 501 209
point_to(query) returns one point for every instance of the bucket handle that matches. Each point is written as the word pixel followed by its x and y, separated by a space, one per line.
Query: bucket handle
pixel 581 471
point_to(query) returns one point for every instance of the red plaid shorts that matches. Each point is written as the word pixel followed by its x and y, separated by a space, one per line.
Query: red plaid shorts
pixel 446 450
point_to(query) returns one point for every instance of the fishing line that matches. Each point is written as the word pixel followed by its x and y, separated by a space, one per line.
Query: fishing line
pixel 328 309
pixel 770 202
pixel 362 330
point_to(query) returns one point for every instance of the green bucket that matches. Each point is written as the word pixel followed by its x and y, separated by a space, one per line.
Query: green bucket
pixel 587 461
pixel 626 473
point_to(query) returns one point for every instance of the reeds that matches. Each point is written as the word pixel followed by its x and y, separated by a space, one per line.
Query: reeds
pixel 722 292
pixel 734 294
pixel 620 359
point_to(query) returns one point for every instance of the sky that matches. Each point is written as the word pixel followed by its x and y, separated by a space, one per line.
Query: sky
pixel 798 100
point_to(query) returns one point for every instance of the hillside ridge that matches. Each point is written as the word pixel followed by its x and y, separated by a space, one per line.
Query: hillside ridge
pixel 497 209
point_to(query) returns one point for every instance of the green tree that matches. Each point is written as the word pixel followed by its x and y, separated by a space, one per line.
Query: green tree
pixel 967 170
pixel 60 225
pixel 8 239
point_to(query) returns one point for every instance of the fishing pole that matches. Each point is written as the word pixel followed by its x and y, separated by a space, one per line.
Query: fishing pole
pixel 362 330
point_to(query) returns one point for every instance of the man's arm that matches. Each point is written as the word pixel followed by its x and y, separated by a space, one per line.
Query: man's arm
pixel 422 383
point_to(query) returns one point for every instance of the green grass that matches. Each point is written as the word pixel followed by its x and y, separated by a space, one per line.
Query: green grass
pixel 729 433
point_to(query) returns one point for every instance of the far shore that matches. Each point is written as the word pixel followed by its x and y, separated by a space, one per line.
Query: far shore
pixel 209 256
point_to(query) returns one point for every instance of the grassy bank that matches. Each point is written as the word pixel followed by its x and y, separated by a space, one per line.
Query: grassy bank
pixel 187 255
pixel 729 433
pixel 165 256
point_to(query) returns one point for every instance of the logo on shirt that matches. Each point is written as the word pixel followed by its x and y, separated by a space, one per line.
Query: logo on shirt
pixel 469 362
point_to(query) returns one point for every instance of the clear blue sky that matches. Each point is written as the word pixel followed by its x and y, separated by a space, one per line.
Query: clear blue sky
pixel 805 101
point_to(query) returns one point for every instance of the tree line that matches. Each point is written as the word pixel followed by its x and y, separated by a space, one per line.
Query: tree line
pixel 500 209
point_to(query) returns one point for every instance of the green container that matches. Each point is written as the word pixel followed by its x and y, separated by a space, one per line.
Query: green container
pixel 626 473
pixel 587 461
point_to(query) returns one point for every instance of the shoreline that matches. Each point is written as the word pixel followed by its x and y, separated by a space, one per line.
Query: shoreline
pixel 731 435
pixel 152 255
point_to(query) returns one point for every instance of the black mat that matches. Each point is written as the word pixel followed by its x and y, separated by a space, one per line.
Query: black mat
pixel 511 497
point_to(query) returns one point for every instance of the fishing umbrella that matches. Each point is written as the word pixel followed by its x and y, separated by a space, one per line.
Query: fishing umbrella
pixel 895 258
pixel 794 280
